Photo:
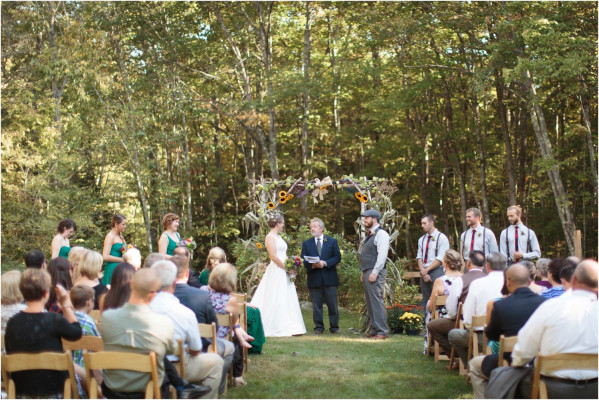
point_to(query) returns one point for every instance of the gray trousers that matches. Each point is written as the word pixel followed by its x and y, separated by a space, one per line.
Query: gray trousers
pixel 427 287
pixel 328 295
pixel 375 304
pixel 225 349
pixel 459 339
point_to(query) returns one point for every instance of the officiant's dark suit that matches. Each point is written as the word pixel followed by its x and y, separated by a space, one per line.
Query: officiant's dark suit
pixel 322 277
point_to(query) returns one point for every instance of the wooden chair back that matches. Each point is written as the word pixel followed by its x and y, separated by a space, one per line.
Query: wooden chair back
pixel 145 363
pixel 226 320
pixel 44 360
pixel 458 324
pixel 209 331
pixel 96 315
pixel 439 301
pixel 478 321
pixel 3 343
pixel 90 343
pixel 243 321
pixel 506 345
pixel 559 362
pixel 180 365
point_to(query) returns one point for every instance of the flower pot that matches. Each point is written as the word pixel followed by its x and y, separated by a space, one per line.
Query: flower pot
pixel 412 332
pixel 397 330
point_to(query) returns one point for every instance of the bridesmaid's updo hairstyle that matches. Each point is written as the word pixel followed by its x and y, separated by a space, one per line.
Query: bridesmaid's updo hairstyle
pixel 452 260
pixel 66 223
pixel 168 220
pixel 117 219
pixel 275 219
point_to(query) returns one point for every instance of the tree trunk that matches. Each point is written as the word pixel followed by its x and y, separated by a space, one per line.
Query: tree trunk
pixel 540 129
pixel 481 151
pixel 584 103
pixel 306 108
pixel 499 88
pixel 187 173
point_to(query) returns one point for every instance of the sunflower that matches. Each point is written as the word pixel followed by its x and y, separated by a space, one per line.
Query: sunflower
pixel 358 195
pixel 270 205
pixel 289 196
pixel 259 245
pixel 282 193
pixel 364 199
pixel 283 200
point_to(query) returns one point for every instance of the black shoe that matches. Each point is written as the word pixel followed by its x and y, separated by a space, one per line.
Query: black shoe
pixel 318 332
pixel 335 331
pixel 191 391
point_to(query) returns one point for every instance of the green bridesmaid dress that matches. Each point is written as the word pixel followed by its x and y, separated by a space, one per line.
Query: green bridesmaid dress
pixel 115 251
pixel 64 251
pixel 172 245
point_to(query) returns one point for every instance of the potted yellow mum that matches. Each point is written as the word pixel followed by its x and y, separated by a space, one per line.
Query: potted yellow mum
pixel 411 323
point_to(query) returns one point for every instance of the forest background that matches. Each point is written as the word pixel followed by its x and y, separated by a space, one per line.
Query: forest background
pixel 144 108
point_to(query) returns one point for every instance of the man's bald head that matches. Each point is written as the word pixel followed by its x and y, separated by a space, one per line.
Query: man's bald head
pixel 145 284
pixel 585 276
pixel 517 276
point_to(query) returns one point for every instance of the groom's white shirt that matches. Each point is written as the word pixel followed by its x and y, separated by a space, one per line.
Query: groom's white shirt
pixel 321 237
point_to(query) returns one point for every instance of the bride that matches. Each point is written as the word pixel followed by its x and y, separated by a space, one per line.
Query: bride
pixel 276 296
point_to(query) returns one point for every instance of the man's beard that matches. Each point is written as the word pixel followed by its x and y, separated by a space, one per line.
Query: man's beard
pixel 516 222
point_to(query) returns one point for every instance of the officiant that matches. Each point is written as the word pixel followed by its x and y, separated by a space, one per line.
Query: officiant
pixel 321 268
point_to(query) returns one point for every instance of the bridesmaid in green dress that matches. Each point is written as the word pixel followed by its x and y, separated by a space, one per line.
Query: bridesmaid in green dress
pixel 216 256
pixel 113 244
pixel 170 238
pixel 60 243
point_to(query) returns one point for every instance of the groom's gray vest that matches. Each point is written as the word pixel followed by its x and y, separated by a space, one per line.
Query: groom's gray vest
pixel 369 252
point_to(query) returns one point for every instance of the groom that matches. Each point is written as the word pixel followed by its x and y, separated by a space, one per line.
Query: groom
pixel 322 276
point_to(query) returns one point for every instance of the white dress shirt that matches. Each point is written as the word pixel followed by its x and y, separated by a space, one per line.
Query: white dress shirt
pixel 455 291
pixel 321 237
pixel 564 324
pixel 381 241
pixel 479 293
pixel 184 320
pixel 481 236
pixel 528 244
pixel 438 244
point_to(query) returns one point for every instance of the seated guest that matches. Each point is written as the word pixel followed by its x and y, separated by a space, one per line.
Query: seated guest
pixel 221 286
pixel 60 273
pixel 194 278
pixel 133 257
pixel 203 368
pixel 452 263
pixel 152 332
pixel 216 256
pixel 199 302
pixel 88 272
pixel 556 289
pixel 532 270
pixel 82 297
pixel 153 258
pixel 35 259
pixel 120 289
pixel 566 274
pixel 542 265
pixel 34 330
pixel 565 324
pixel 75 256
pixel 12 299
pixel 507 317
pixel 481 291
pixel 439 328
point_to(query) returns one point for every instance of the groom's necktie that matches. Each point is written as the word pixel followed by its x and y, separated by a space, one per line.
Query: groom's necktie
pixel 318 246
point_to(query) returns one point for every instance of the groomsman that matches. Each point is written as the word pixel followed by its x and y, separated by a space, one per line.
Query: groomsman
pixel 518 242
pixel 322 276
pixel 431 249
pixel 477 237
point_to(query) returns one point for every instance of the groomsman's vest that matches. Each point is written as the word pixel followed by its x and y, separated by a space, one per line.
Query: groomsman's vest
pixel 369 252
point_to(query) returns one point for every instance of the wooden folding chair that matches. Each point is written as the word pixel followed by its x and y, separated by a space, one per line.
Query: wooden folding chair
pixel 44 360
pixel 439 302
pixel 506 345
pixel 96 315
pixel 227 320
pixel 458 324
pixel 90 343
pixel 180 365
pixel 478 321
pixel 558 362
pixel 209 331
pixel 107 360
pixel 243 321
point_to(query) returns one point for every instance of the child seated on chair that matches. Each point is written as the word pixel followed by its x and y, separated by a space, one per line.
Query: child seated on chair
pixel 82 297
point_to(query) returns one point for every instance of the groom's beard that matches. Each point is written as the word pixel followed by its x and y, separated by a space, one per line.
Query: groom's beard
pixel 516 222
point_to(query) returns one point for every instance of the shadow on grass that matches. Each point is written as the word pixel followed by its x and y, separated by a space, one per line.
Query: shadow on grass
pixel 347 366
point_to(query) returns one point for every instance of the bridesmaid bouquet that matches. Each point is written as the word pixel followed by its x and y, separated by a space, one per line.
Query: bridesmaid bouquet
pixel 124 248
pixel 189 243
pixel 291 266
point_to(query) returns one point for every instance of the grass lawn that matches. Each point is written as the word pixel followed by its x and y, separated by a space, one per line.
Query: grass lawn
pixel 347 366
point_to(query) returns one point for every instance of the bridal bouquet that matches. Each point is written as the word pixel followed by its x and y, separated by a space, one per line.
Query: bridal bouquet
pixel 189 243
pixel 291 266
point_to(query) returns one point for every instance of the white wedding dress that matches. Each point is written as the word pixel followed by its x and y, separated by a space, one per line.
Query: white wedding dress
pixel 276 298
